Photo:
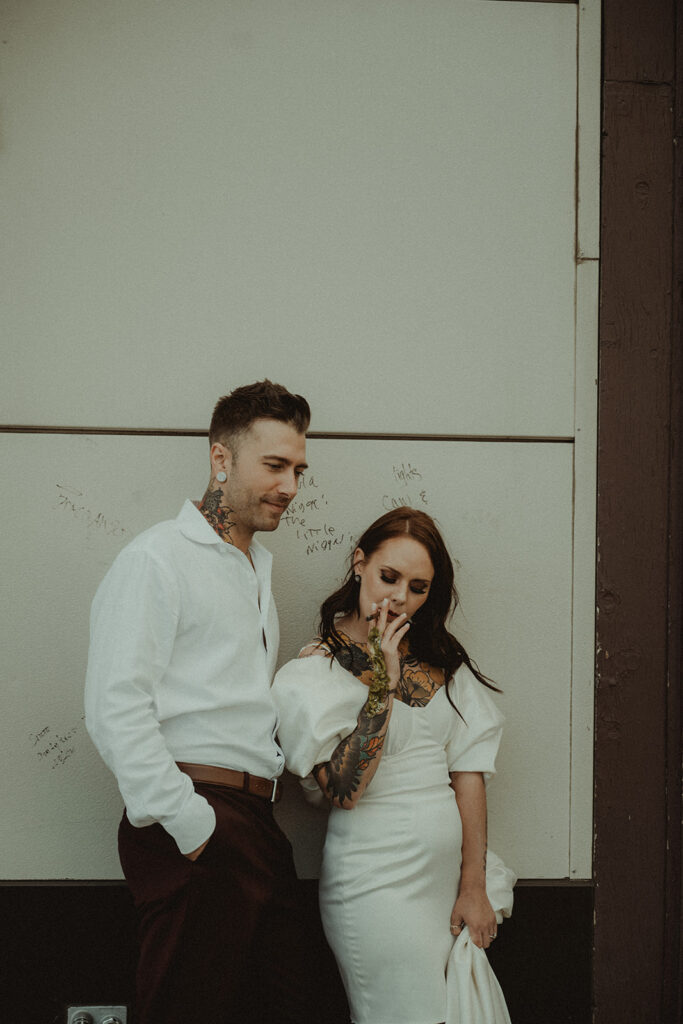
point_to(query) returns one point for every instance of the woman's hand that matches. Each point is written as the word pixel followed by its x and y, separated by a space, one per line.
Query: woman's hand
pixel 391 633
pixel 472 908
pixel 345 777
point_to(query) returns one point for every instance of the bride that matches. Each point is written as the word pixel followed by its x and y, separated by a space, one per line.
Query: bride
pixel 385 717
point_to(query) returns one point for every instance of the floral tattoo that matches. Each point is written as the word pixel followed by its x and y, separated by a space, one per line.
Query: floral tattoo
pixel 219 516
pixel 341 775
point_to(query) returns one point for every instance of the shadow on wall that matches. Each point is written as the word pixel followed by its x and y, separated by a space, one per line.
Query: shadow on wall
pixel 67 944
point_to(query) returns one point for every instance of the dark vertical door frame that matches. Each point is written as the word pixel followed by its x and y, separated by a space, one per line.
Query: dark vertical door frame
pixel 637 939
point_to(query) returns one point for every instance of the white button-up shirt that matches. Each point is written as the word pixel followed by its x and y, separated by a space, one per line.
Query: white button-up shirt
pixel 183 644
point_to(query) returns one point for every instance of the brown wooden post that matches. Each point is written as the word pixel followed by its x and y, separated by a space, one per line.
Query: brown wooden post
pixel 673 925
pixel 638 742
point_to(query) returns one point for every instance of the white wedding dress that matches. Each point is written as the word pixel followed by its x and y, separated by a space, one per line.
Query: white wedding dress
pixel 391 865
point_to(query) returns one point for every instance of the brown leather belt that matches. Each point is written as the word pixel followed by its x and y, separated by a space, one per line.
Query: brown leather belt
pixel 270 789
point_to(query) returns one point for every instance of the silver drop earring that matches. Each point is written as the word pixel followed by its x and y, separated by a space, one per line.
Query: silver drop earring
pixel 221 477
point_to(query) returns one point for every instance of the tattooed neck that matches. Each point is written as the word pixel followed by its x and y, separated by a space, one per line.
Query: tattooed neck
pixel 217 515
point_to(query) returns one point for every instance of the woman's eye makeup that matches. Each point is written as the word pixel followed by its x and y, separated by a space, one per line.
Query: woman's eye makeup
pixel 418 588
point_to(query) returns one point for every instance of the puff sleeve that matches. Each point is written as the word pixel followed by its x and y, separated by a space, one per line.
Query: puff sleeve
pixel 318 703
pixel 473 743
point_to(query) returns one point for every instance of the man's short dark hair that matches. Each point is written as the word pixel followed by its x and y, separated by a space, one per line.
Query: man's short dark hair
pixel 234 413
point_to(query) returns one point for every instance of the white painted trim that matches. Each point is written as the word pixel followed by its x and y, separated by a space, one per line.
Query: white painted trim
pixel 588 131
pixel 585 427
pixel 583 599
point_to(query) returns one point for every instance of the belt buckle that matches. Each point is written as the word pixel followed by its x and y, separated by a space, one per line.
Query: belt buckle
pixel 273 795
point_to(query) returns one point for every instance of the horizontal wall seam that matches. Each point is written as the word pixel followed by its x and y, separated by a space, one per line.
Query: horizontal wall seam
pixel 312 435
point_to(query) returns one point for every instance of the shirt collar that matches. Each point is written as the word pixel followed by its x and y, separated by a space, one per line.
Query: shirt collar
pixel 194 526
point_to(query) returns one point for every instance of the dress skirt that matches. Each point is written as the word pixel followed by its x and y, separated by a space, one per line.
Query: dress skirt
pixel 391 865
pixel 391 868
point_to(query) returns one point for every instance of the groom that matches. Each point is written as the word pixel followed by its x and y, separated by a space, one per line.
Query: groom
pixel 183 643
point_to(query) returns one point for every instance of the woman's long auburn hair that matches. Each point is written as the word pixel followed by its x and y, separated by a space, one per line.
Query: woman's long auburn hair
pixel 428 638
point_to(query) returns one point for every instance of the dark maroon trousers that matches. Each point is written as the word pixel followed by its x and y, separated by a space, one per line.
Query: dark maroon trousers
pixel 222 939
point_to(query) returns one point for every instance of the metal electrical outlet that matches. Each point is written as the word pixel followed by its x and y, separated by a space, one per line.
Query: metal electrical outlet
pixel 97 1015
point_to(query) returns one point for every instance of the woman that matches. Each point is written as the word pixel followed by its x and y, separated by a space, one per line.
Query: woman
pixel 385 715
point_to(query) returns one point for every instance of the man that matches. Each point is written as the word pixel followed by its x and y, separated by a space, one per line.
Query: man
pixel 184 637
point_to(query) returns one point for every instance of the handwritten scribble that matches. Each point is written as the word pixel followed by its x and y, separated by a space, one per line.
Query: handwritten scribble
pixel 307 516
pixel 306 481
pixel 321 538
pixel 69 499
pixel 411 499
pixel 310 518
pixel 54 748
pixel 405 473
pixel 416 497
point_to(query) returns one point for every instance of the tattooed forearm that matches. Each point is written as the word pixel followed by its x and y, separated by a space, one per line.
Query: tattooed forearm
pixel 219 516
pixel 354 758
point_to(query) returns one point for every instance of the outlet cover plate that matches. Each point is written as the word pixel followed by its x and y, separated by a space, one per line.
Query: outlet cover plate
pixel 98 1013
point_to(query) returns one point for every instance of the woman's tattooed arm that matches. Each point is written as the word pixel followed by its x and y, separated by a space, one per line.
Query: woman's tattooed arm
pixel 344 778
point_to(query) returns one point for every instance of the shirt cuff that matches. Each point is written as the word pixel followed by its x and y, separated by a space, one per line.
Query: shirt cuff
pixel 312 791
pixel 194 825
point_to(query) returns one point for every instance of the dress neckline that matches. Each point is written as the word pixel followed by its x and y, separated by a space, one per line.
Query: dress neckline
pixel 357 662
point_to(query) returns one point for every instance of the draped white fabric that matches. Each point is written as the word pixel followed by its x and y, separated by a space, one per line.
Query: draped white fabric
pixel 473 993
